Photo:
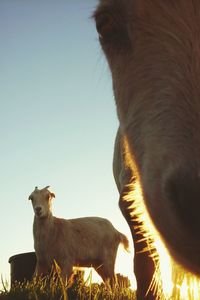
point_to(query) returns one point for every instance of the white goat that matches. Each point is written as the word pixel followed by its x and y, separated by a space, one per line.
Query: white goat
pixel 84 242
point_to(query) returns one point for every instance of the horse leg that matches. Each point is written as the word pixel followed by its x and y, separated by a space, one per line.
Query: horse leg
pixel 144 266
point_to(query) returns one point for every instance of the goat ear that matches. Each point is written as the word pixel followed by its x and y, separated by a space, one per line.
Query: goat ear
pixel 30 198
pixel 52 195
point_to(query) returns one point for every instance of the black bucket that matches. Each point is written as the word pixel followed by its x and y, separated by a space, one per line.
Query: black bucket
pixel 22 267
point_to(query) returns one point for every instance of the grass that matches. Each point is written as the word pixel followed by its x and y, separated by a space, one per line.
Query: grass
pixel 52 288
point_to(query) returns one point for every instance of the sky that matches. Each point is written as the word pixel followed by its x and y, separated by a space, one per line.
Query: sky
pixel 57 120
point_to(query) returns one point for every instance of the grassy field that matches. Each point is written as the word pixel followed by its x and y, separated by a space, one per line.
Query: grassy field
pixel 52 289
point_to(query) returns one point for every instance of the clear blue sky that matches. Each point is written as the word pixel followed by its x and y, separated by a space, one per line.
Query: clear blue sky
pixel 57 118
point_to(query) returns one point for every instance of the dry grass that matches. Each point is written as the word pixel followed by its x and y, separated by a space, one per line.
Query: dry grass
pixel 52 288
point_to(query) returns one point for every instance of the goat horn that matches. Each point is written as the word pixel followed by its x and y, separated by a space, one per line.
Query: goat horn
pixel 48 186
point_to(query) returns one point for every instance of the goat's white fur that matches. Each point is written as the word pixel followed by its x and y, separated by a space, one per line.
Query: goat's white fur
pixel 84 242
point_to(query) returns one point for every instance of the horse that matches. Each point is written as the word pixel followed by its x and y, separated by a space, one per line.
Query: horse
pixel 153 51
